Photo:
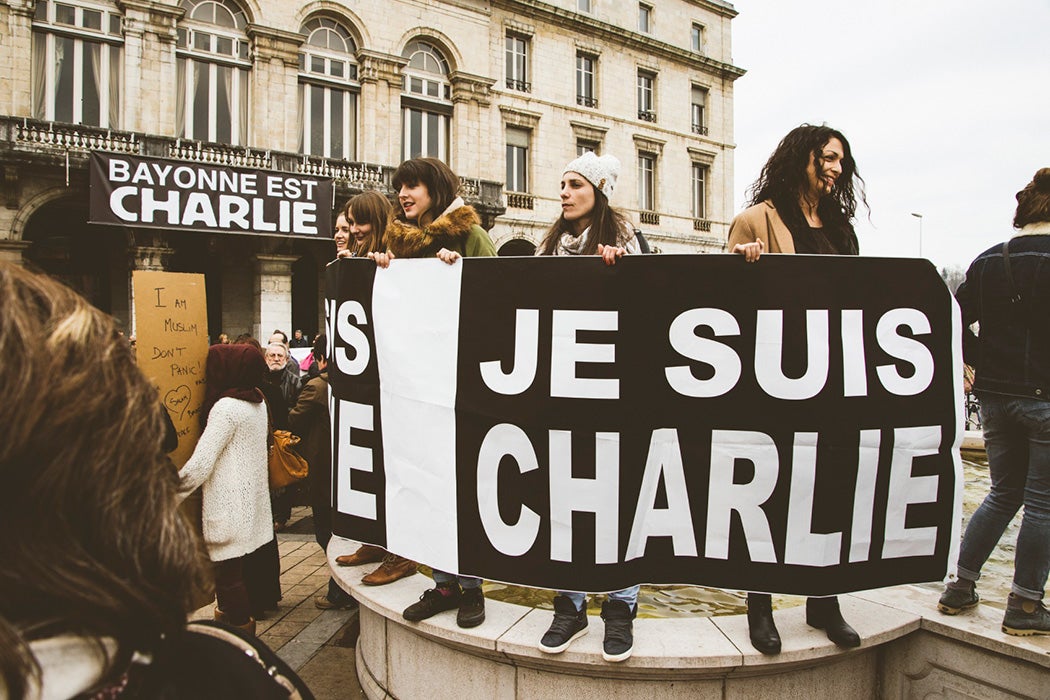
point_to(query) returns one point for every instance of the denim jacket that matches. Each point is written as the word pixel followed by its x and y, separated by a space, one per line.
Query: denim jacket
pixel 1012 353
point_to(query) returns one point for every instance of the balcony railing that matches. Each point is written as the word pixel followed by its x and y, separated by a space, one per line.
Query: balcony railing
pixel 586 101
pixel 520 200
pixel 519 85
pixel 701 225
pixel 73 136
pixel 700 129
pixel 647 115
pixel 649 217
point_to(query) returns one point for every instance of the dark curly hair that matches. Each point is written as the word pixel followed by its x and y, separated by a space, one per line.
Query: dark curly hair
pixel 783 180
pixel 1033 202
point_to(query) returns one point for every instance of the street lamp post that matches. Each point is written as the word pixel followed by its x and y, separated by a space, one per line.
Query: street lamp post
pixel 919 217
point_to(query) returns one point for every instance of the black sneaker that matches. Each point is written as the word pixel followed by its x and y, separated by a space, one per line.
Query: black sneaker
pixel 434 600
pixel 569 624
pixel 619 635
pixel 1025 617
pixel 471 608
pixel 954 600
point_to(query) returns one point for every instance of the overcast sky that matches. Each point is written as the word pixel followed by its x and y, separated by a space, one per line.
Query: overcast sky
pixel 945 104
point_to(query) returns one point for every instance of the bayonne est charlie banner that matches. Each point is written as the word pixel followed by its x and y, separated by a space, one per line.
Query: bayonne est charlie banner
pixel 788 426
pixel 145 192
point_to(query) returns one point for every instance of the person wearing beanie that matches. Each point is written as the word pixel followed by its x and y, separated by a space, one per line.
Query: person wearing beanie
pixel 589 226
pixel 1007 290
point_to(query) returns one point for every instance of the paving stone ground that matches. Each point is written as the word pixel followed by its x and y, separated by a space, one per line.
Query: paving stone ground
pixel 318 644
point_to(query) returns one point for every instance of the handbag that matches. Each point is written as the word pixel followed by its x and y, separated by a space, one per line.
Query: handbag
pixel 286 465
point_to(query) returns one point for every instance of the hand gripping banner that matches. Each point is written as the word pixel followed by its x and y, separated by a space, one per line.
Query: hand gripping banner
pixel 788 426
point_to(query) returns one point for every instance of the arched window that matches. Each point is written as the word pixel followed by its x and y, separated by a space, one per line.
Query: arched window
pixel 426 102
pixel 77 56
pixel 212 72
pixel 328 90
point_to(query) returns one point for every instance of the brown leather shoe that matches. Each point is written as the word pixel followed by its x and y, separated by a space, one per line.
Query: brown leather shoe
pixel 392 568
pixel 366 554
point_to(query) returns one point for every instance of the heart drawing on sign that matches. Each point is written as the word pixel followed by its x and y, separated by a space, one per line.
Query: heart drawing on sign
pixel 177 400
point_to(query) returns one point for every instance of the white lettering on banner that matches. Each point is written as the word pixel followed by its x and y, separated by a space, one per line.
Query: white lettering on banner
pixel 116 203
pixel 354 416
pixel 151 206
pixel 664 463
pixel 907 349
pixel 686 343
pixel 600 495
pixel 567 353
pixel 523 373
pixel 198 210
pixel 119 170
pixel 233 210
pixel 769 355
pixel 501 441
pixel 802 547
pixel 854 376
pixel 353 336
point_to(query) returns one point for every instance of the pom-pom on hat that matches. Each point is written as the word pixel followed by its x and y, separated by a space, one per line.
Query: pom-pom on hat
pixel 600 171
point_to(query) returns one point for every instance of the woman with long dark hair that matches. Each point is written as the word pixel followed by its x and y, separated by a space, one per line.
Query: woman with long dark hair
pixel 804 201
pixel 361 226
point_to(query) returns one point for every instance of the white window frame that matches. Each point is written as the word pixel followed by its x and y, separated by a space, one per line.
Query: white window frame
pixel 432 101
pixel 698 110
pixel 344 88
pixel 516 57
pixel 696 38
pixel 518 145
pixel 646 95
pixel 110 42
pixel 646 181
pixel 586 77
pixel 698 180
pixel 585 6
pixel 645 18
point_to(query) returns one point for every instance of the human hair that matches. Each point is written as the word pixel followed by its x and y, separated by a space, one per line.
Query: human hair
pixel 608 227
pixel 783 180
pixel 442 185
pixel 374 209
pixel 320 347
pixel 246 339
pixel 282 346
pixel 1033 202
pixel 94 544
pixel 284 336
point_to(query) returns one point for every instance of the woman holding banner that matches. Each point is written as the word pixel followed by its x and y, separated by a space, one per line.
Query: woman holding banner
pixel 589 226
pixel 434 221
pixel 804 201
pixel 361 226
pixel 1007 290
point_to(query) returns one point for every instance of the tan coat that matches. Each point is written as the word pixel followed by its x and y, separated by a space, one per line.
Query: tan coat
pixel 761 222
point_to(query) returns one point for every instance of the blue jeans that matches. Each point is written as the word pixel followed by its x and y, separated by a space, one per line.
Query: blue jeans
pixel 465 582
pixel 628 595
pixel 1017 440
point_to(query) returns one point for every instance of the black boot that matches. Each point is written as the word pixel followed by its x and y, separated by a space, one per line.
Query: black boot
pixel 760 627
pixel 824 614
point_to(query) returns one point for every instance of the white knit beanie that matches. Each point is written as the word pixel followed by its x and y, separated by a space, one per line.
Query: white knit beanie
pixel 600 171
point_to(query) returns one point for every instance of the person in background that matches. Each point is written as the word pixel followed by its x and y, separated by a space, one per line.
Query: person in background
pixel 804 201
pixel 299 340
pixel 224 339
pixel 588 225
pixel 277 360
pixel 1007 292
pixel 433 221
pixel 311 421
pixel 278 336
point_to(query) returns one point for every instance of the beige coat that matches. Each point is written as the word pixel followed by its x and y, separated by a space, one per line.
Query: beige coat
pixel 761 222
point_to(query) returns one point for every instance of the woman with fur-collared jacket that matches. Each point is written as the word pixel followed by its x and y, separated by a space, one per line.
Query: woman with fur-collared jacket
pixel 434 221
pixel 803 202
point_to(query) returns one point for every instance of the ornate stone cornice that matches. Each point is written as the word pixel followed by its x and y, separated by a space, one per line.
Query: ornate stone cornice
pixel 588 132
pixel 699 155
pixel 520 117
pixel 649 144
pixel 161 19
pixel 270 42
pixel 467 87
pixel 373 66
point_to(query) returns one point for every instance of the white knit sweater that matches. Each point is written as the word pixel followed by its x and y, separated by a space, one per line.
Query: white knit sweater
pixel 230 461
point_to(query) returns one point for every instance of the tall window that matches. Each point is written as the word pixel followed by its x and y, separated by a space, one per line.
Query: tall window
pixel 697 38
pixel 645 18
pixel 583 145
pixel 77 51
pixel 328 90
pixel 583 5
pixel 211 52
pixel 517 160
pixel 647 182
pixel 426 102
pixel 517 60
pixel 699 111
pixel 646 99
pixel 585 93
pixel 699 191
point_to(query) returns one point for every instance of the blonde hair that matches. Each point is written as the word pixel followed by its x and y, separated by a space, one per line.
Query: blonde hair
pixel 369 208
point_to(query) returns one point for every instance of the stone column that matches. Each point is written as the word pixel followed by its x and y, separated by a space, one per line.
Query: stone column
pixel 148 100
pixel 18 92
pixel 154 256
pixel 275 83
pixel 380 108
pixel 471 98
pixel 272 297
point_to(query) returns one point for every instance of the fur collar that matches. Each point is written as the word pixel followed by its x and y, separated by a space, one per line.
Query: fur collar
pixel 405 240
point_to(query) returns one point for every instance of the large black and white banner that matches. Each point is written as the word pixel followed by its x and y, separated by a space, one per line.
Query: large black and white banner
pixel 128 190
pixel 789 426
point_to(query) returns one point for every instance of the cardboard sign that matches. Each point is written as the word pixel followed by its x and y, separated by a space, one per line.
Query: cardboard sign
pixel 790 426
pixel 171 329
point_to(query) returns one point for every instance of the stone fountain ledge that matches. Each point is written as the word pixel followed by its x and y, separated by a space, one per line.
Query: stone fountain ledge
pixel 908 650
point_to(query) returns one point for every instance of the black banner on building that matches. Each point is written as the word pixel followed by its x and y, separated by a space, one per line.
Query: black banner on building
pixel 789 426
pixel 171 194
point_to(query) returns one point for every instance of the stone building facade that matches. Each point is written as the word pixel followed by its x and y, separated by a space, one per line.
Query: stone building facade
pixel 505 91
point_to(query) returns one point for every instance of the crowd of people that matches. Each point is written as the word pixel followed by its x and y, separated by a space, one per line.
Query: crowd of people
pixel 105 567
